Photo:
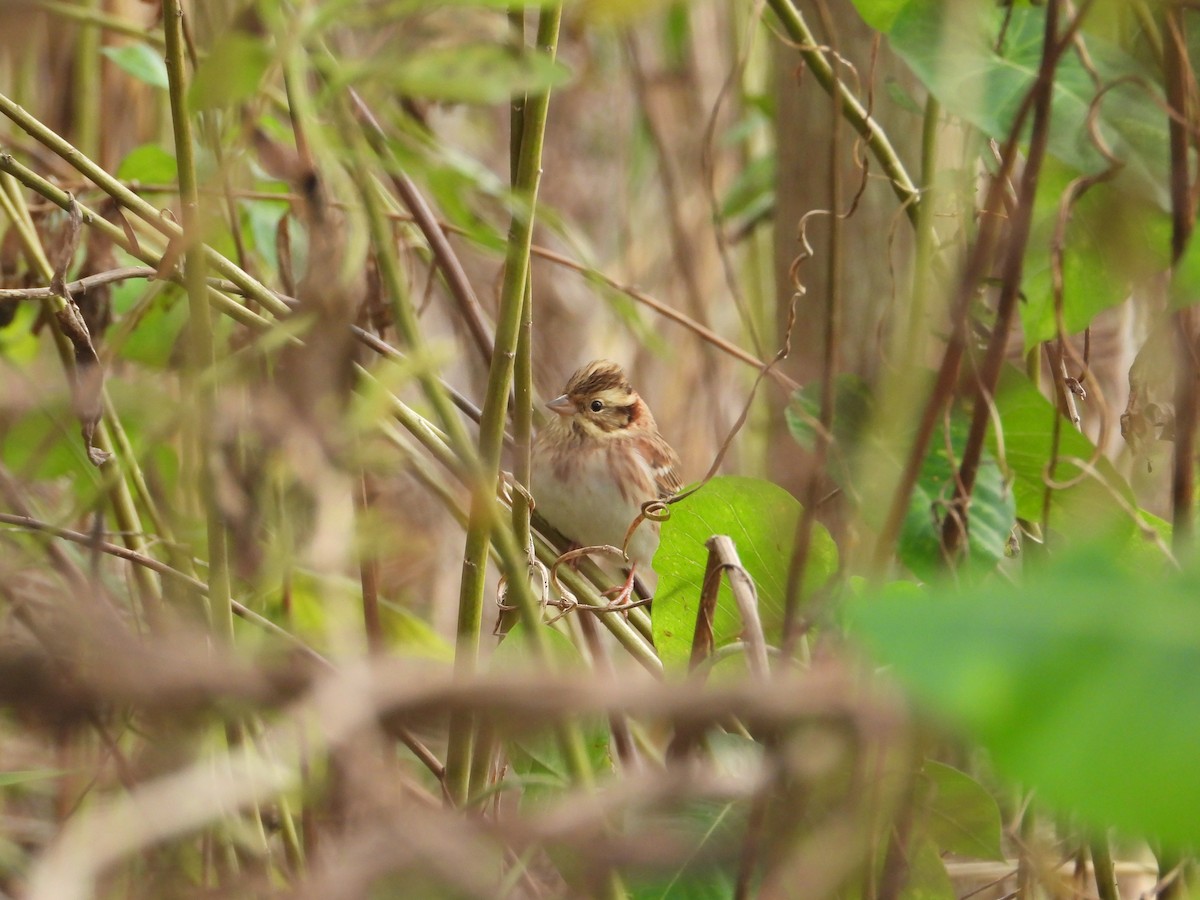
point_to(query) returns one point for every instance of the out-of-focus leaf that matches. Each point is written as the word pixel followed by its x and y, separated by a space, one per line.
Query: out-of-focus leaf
pixel 354 13
pixel 148 164
pixel 1077 681
pixel 713 829
pixel 761 517
pixel 18 343
pixel 141 61
pixel 1112 241
pixel 230 73
pixel 950 47
pixel 618 13
pixel 927 875
pixel 476 73
pixel 853 404
pixel 152 338
pixel 43 443
pixel 1088 506
pixel 880 14
pixel 958 813
pixel 541 754
pixel 752 192
pixel 412 635
pixel 992 510
pixel 261 219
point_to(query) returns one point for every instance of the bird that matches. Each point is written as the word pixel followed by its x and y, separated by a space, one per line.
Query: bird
pixel 598 460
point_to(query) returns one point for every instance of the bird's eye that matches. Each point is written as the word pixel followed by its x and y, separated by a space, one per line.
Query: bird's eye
pixel 597 405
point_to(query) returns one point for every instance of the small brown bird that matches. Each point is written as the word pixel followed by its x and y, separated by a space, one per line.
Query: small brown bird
pixel 598 460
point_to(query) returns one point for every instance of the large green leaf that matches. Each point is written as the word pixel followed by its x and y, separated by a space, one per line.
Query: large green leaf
pixel 1112 241
pixel 761 517
pixel 992 510
pixel 1078 681
pixel 880 14
pixel 950 47
pixel 958 813
pixel 1089 506
pixel 920 542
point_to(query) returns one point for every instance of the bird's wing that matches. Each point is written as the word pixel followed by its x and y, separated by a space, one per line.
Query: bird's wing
pixel 664 465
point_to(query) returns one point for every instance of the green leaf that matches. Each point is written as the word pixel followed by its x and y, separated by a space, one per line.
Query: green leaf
pixel 950 47
pixel 159 323
pixel 752 192
pixel 1078 682
pixel 761 517
pixel 476 73
pixel 148 164
pixel 1112 241
pixel 18 341
pixel 413 635
pixel 712 830
pixel 230 73
pixel 958 813
pixel 854 407
pixel 927 875
pixel 43 443
pixel 1088 506
pixel 540 754
pixel 141 61
pixel 880 14
pixel 992 510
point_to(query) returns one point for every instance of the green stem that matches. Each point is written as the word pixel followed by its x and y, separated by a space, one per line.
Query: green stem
pixel 203 350
pixel 87 101
pixel 495 406
pixel 856 114
pixel 127 198
pixel 1102 868
pixel 523 364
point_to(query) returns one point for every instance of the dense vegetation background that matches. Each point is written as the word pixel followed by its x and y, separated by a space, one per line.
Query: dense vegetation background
pixel 908 283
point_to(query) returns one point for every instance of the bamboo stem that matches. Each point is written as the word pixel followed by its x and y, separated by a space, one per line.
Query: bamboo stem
pixel 200 330
pixel 495 407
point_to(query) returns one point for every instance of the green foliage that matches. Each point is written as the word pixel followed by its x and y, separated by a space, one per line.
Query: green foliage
pixel 141 61
pixel 761 517
pixel 1063 678
pixel 148 164
pixel 957 813
pixel 752 194
pixel 231 73
pixel 992 510
pixel 538 756
pixel 927 878
pixel 950 47
pixel 476 73
pixel 1087 504
pixel 1112 241
pixel 880 14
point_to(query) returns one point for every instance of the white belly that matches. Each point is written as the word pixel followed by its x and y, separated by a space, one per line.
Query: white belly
pixel 590 510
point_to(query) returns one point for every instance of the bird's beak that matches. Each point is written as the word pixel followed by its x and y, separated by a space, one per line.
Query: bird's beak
pixel 562 405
